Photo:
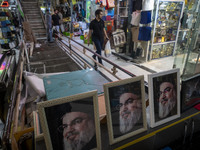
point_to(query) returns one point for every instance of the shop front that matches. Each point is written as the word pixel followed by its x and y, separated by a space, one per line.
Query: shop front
pixel 142 31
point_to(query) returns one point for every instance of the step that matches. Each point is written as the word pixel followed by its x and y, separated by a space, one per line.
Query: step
pixel 27 9
pixel 39 31
pixel 36 13
pixel 34 16
pixel 32 11
pixel 41 38
pixel 40 27
pixel 34 19
pixel 36 23
pixel 29 4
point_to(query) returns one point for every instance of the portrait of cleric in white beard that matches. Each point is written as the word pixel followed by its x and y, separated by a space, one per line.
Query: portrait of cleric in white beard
pixel 126 108
pixel 78 130
pixel 165 95
pixel 72 125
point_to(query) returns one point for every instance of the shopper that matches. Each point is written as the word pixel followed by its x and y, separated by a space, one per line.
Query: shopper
pixel 97 30
pixel 130 111
pixel 48 21
pixel 61 20
pixel 167 100
pixel 55 20
pixel 78 131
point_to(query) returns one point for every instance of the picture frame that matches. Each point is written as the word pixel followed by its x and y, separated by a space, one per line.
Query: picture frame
pixel 38 135
pixel 115 39
pixel 118 96
pixel 60 118
pixel 190 92
pixel 37 127
pixel 123 37
pixel 164 96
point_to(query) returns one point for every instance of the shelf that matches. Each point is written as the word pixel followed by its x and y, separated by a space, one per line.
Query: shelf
pixel 162 43
pixel 165 28
pixel 122 7
pixel 123 16
pixel 170 10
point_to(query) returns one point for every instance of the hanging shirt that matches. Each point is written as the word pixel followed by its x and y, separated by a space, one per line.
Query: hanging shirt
pixel 144 34
pixel 147 5
pixel 137 5
pixel 135 20
pixel 145 17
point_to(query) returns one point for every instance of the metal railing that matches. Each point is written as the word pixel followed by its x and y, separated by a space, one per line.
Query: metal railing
pixel 114 68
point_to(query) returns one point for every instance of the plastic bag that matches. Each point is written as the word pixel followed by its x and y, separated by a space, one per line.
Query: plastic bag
pixel 107 51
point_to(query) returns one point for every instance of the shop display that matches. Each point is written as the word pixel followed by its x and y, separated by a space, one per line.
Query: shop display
pixel 160 51
pixel 119 38
pixel 166 26
pixel 190 92
pixel 7 30
pixel 164 96
pixel 123 8
pixel 80 112
pixel 118 96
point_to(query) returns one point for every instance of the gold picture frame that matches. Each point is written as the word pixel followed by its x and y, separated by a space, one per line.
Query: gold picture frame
pixel 55 113
pixel 121 94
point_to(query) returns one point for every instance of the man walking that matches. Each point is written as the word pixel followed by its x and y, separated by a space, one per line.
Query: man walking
pixel 49 25
pixel 97 30
pixel 55 20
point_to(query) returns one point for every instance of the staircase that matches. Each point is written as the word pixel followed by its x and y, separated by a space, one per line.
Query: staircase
pixel 32 12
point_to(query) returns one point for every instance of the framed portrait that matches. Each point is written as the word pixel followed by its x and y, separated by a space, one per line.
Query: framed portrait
pixel 164 96
pixel 126 108
pixel 71 122
pixel 123 37
pixel 115 38
pixel 190 92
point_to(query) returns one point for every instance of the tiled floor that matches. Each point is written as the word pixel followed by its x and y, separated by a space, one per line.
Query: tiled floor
pixel 157 65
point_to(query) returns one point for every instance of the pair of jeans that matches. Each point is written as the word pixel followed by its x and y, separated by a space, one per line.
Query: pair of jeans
pixel 49 35
pixel 99 45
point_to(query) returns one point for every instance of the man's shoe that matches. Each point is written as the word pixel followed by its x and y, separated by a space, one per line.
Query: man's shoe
pixel 94 57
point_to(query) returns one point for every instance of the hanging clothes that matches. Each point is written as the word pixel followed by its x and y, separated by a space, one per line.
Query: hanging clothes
pixel 147 5
pixel 135 34
pixel 144 34
pixel 145 17
pixel 135 20
pixel 136 5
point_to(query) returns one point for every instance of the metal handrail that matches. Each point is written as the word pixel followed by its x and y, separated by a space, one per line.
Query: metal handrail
pixel 103 58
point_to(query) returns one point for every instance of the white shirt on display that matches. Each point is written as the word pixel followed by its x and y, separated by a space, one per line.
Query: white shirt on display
pixel 147 5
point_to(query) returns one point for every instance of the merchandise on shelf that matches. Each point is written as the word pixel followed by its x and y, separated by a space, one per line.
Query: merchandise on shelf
pixel 166 28
pixel 7 30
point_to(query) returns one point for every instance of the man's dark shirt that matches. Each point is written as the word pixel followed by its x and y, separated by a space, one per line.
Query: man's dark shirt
pixel 97 27
pixel 55 19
